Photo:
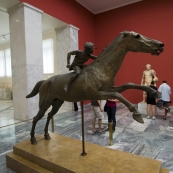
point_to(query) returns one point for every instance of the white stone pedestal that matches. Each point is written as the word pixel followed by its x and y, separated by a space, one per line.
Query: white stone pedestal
pixel 170 125
pixel 142 108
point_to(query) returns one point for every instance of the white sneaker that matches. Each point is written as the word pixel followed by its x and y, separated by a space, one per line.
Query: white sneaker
pixel 148 117
pixel 153 118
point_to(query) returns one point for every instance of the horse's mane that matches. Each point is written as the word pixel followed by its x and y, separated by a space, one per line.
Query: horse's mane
pixel 108 48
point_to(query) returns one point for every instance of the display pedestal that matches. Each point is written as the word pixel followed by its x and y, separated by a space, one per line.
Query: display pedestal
pixel 142 108
pixel 62 154
pixel 170 125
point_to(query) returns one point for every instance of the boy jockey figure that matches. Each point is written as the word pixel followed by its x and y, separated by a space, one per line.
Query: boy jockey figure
pixel 79 60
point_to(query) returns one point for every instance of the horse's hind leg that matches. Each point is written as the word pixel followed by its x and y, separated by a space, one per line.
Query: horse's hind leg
pixel 55 107
pixel 39 115
pixel 43 106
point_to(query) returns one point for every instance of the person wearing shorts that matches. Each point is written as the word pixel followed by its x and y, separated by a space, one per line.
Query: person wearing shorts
pixel 163 102
pixel 97 109
pixel 151 103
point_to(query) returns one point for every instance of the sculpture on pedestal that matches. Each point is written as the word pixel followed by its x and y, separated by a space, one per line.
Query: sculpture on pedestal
pixel 96 80
pixel 148 76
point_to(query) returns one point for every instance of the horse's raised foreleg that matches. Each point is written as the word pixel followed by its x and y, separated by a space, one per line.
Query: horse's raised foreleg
pixel 153 93
pixel 103 95
pixel 55 107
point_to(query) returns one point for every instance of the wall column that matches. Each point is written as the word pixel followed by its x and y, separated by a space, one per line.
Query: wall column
pixel 67 40
pixel 27 57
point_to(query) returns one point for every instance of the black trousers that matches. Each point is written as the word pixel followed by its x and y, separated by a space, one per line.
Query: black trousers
pixel 75 106
pixel 111 111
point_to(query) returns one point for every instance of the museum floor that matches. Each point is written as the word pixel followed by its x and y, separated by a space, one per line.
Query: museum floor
pixel 151 139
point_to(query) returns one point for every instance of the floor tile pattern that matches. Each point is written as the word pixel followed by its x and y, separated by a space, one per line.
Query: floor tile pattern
pixel 151 139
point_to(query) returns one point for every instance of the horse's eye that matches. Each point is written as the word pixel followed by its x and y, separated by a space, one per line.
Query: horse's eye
pixel 137 36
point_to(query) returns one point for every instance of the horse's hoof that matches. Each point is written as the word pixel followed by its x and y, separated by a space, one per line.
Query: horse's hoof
pixel 138 118
pixel 33 141
pixel 47 137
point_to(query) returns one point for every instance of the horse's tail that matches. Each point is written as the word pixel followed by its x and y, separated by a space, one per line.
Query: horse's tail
pixel 35 89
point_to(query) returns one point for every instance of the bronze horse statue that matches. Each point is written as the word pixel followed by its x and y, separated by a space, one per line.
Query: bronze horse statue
pixel 96 80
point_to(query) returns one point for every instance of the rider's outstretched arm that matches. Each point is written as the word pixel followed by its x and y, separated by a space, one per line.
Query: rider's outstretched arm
pixel 93 57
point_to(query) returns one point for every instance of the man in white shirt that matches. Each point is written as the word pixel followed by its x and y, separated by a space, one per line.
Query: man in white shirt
pixel 163 102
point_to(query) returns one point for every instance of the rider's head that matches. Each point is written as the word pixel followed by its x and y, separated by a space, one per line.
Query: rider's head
pixel 89 47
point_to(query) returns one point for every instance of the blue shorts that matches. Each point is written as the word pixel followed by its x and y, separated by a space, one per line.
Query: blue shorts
pixel 162 103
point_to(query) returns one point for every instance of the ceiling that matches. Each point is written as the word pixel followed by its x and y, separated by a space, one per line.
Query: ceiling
pixel 49 22
pixel 5 4
pixel 99 6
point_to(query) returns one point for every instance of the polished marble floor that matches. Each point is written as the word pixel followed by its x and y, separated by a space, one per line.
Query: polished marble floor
pixel 151 139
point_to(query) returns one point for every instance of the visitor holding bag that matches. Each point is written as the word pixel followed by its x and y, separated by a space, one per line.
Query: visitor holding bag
pixel 110 108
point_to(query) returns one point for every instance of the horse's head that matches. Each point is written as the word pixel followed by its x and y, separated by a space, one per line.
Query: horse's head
pixel 139 43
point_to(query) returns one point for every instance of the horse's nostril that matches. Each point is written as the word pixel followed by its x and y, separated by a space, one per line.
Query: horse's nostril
pixel 161 44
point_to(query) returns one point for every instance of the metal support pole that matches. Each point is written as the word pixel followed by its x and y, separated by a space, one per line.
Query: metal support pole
pixel 110 133
pixel 83 142
pixel 52 122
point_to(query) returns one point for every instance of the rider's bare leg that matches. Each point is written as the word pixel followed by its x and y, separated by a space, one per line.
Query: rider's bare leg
pixel 77 71
pixel 74 76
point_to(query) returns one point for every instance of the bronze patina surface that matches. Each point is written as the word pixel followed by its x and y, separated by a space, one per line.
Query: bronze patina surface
pixel 96 80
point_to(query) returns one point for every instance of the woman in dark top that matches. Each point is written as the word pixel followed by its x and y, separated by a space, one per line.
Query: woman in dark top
pixel 111 111
pixel 151 103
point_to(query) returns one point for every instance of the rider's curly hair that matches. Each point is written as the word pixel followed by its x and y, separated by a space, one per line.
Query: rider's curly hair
pixel 88 45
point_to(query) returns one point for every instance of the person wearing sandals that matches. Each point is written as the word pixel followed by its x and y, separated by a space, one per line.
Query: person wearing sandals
pixel 163 102
pixel 151 103
pixel 97 109
pixel 111 111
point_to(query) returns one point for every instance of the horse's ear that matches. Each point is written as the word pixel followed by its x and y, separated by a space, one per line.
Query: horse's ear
pixel 125 34
pixel 137 36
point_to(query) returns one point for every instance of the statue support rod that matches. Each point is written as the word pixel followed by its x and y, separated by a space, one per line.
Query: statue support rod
pixel 83 140
pixel 52 121
pixel 110 134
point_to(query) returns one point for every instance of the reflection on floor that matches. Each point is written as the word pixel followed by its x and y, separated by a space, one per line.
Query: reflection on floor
pixel 151 139
pixel 6 113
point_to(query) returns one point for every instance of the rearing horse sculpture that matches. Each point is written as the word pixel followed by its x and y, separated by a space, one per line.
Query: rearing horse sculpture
pixel 96 80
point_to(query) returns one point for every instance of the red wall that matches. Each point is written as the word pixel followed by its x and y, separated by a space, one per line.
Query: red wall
pixel 152 19
pixel 71 12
